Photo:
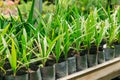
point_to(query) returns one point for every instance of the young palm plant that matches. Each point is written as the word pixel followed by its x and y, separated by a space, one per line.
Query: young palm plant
pixel 45 47
pixel 58 49
pixel 112 28
pixel 117 46
pixel 89 32
pixel 66 39
pixel 77 31
pixel 3 47
pixel 112 31
pixel 25 53
pixel 12 55
pixel 118 20
pixel 89 29
pixel 100 31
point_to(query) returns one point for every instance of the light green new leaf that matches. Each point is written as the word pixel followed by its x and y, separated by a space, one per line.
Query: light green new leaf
pixel 5 29
pixel 13 57
pixel 24 44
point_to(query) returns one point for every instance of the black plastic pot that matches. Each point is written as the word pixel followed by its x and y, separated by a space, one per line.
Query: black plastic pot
pixel 81 62
pixel 48 73
pixel 1 74
pixel 20 77
pixel 101 57
pixel 92 60
pixel 1 77
pixel 71 65
pixel 35 75
pixel 117 50
pixel 109 53
pixel 61 69
pixel 92 56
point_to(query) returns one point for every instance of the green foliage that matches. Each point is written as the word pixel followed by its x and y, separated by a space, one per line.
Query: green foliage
pixel 89 28
pixel 112 27
pixel 100 31
pixel 30 17
pixel 118 18
pixel 45 47
pixel 23 42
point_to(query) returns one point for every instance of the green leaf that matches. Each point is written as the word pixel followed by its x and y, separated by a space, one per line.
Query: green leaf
pixel 24 44
pixel 13 57
pixel 52 44
pixel 58 49
pixel 30 17
pixel 5 29
pixel 20 15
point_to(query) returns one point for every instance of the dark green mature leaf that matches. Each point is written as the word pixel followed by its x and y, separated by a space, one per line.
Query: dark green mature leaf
pixel 58 50
pixel 20 15
pixel 30 17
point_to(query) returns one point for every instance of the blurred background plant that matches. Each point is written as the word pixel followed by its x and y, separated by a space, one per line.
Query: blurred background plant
pixel 49 5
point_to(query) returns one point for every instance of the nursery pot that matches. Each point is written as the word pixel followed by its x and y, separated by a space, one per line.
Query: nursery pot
pixel 1 77
pixel 61 69
pixel 101 57
pixel 92 60
pixel 81 61
pixel 71 65
pixel 20 77
pixel 34 71
pixel 92 57
pixel 48 73
pixel 35 75
pixel 117 50
pixel 109 53
pixel 1 74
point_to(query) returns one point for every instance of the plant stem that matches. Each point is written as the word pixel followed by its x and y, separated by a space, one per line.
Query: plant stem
pixel 97 52
pixel 88 54
pixel 14 74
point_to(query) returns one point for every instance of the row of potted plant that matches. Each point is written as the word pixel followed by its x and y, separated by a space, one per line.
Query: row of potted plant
pixel 57 44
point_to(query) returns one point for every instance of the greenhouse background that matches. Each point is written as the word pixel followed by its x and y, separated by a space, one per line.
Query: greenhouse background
pixel 59 39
